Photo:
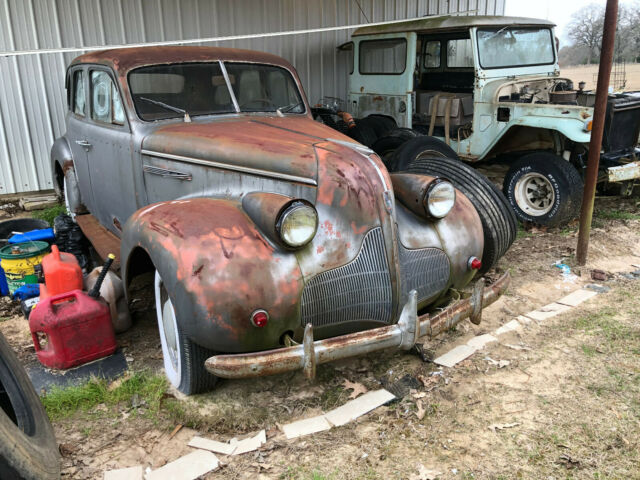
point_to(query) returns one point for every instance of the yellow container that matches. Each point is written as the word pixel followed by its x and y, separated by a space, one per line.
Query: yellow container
pixel 19 261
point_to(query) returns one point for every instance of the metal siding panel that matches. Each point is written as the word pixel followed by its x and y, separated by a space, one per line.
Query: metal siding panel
pixel 33 99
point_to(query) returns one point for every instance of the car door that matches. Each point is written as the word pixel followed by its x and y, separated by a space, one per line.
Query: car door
pixel 110 151
pixel 77 119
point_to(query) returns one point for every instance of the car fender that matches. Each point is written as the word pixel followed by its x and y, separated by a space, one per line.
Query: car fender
pixel 218 268
pixel 61 159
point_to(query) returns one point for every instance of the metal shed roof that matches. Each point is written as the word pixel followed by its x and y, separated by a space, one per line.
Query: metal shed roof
pixel 450 22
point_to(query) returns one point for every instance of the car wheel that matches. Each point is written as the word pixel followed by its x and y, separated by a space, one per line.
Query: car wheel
pixel 28 448
pixel 381 124
pixel 544 189
pixel 183 359
pixel 419 148
pixel 499 224
pixel 386 146
pixel 363 134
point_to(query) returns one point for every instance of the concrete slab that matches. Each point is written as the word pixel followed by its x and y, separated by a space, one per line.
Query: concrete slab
pixel 131 473
pixel 510 326
pixel 576 298
pixel 189 467
pixel 306 427
pixel 212 445
pixel 454 356
pixel 481 341
pixel 524 320
pixel 358 407
pixel 249 444
pixel 546 312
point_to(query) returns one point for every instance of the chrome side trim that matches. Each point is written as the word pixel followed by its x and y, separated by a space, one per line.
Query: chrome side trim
pixel 355 146
pixel 233 168
pixel 164 172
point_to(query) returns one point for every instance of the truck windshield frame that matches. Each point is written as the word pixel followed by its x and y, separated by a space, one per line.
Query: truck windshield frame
pixel 504 47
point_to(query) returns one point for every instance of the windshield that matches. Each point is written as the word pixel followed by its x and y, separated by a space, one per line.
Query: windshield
pixel 515 47
pixel 169 91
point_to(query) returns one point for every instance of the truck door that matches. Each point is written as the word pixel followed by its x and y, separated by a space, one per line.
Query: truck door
pixel 109 152
pixel 382 78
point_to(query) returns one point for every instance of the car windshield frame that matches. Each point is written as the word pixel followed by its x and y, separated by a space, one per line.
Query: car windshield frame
pixel 510 29
pixel 235 108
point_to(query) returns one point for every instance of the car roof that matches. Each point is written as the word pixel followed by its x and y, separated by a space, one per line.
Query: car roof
pixel 123 60
pixel 439 23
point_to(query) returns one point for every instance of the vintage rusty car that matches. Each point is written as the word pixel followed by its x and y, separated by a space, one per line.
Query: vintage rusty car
pixel 276 242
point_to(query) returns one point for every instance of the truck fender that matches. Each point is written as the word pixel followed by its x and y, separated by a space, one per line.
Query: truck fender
pixel 218 269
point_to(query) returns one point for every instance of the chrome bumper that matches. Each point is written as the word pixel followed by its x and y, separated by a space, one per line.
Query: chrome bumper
pixel 402 335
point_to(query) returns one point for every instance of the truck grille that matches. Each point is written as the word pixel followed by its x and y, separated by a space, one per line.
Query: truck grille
pixel 359 290
pixel 426 270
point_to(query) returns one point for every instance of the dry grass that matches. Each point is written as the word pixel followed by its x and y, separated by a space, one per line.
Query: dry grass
pixel 589 73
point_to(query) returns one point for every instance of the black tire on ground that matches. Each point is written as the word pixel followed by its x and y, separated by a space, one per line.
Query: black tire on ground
pixel 382 124
pixel 386 146
pixel 183 358
pixel 421 147
pixel 499 223
pixel 363 133
pixel 544 189
pixel 28 448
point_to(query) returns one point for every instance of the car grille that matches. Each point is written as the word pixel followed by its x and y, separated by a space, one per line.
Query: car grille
pixel 426 270
pixel 359 290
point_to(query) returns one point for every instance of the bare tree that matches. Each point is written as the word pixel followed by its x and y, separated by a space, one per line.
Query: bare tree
pixel 586 28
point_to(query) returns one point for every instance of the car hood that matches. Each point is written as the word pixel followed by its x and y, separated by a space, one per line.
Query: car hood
pixel 274 144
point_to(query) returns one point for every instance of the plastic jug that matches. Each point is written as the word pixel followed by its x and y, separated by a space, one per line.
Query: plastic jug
pixel 71 329
pixel 62 273
pixel 113 292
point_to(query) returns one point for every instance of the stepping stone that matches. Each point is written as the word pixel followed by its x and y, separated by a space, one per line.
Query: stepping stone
pixel 131 473
pixel 212 445
pixel 511 326
pixel 306 427
pixel 189 467
pixel 548 311
pixel 454 356
pixel 576 298
pixel 358 407
pixel 481 341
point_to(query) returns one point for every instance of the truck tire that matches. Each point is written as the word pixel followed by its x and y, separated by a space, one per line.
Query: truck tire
pixel 386 146
pixel 183 359
pixel 543 189
pixel 381 124
pixel 28 448
pixel 421 147
pixel 499 223
pixel 363 134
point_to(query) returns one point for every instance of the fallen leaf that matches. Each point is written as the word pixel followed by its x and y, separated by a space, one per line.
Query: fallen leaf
pixel 418 395
pixel 358 388
pixel 502 426
pixel 421 411
pixel 503 363
pixel 425 474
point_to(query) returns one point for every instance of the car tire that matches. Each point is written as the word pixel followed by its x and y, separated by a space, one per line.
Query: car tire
pixel 381 124
pixel 363 133
pixel 183 359
pixel 544 189
pixel 421 147
pixel 499 223
pixel 386 146
pixel 28 448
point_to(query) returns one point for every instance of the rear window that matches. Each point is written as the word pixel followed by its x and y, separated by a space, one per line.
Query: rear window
pixel 383 56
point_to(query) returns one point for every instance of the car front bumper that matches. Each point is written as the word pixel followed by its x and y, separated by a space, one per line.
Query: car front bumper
pixel 402 335
pixel 629 171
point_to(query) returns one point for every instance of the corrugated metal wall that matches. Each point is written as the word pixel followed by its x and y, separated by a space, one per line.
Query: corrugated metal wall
pixel 32 95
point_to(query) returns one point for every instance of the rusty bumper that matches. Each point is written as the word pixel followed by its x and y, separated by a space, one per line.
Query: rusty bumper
pixel 402 335
pixel 629 171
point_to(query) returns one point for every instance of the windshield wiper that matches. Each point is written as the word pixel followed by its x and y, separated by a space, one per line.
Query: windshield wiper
pixel 497 33
pixel 288 108
pixel 181 111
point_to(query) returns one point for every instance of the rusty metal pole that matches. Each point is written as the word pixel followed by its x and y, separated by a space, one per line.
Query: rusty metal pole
pixel 599 111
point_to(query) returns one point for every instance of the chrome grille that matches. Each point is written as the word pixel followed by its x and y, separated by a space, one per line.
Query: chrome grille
pixel 426 270
pixel 360 290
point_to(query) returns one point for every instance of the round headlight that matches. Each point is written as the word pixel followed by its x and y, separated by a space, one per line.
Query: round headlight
pixel 297 224
pixel 440 198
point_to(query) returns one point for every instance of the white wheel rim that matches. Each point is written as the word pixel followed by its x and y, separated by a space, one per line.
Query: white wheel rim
pixel 534 194
pixel 168 327
pixel 430 154
pixel 66 200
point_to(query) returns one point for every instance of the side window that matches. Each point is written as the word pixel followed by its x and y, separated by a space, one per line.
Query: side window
pixel 383 56
pixel 106 105
pixel 432 54
pixel 459 53
pixel 79 96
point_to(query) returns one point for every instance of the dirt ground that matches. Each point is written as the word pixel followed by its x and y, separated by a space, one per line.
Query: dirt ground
pixel 564 404
pixel 589 74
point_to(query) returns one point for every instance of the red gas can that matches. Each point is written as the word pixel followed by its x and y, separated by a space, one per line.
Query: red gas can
pixel 71 329
pixel 62 273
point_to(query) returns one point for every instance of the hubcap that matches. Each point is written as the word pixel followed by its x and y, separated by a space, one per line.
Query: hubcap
pixel 168 325
pixel 534 194
pixel 169 335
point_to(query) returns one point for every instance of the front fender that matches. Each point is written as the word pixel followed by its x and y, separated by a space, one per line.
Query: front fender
pixel 218 269
pixel 572 128
pixel 62 158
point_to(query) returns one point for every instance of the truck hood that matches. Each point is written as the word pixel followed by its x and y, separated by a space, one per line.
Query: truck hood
pixel 274 144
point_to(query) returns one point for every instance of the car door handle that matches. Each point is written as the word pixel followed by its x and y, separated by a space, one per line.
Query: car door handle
pixel 83 143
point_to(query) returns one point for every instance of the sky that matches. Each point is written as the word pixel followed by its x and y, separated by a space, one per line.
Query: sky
pixel 558 11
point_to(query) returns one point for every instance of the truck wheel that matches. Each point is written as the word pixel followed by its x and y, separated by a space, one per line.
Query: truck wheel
pixel 499 224
pixel 28 448
pixel 381 124
pixel 183 359
pixel 363 134
pixel 543 189
pixel 418 148
pixel 386 146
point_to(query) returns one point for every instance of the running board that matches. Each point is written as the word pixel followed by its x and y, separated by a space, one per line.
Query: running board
pixel 102 239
